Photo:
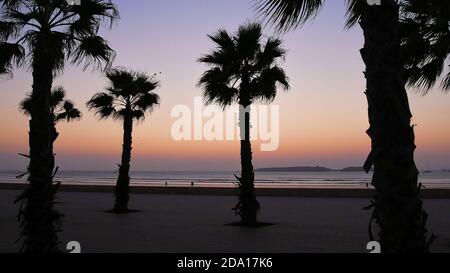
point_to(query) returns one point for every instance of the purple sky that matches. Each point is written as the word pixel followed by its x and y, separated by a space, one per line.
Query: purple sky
pixel 323 117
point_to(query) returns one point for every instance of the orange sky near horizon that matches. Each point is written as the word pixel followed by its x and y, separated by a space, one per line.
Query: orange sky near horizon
pixel 323 117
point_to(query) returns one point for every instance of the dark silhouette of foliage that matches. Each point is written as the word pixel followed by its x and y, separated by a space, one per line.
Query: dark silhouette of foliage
pixel 44 35
pixel 243 70
pixel 426 43
pixel 129 97
pixel 60 108
pixel 406 43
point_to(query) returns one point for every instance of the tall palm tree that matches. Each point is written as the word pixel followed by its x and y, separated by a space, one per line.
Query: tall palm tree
pixel 244 70
pixel 44 35
pixel 397 207
pixel 129 97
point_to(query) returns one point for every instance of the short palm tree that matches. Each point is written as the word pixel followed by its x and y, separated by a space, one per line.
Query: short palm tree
pixel 60 108
pixel 129 97
pixel 45 35
pixel 392 31
pixel 244 70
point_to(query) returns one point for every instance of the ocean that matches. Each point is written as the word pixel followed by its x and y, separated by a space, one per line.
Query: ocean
pixel 331 179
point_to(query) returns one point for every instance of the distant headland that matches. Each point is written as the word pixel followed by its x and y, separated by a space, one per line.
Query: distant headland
pixel 309 169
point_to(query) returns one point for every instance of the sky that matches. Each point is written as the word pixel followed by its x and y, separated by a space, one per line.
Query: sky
pixel 323 118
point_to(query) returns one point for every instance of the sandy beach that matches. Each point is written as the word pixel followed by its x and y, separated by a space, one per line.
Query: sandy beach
pixel 197 223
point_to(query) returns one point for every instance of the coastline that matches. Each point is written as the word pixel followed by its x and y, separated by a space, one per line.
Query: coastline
pixel 227 191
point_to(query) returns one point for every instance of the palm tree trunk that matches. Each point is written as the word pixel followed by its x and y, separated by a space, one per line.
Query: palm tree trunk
pixel 248 205
pixel 397 207
pixel 123 182
pixel 39 221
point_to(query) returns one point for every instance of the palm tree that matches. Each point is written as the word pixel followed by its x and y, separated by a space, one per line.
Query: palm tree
pixel 44 35
pixel 60 108
pixel 243 70
pixel 397 207
pixel 129 97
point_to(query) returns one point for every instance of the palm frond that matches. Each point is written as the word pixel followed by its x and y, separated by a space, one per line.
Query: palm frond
pixel 57 96
pixel 424 78
pixel 225 53
pixel 69 112
pixel 271 52
pixel 223 40
pixel 10 4
pixel 354 9
pixel 102 104
pixel 10 55
pixel 138 115
pixel 144 83
pixel 26 105
pixel 8 29
pixel 224 58
pixel 96 11
pixel 264 88
pixel 121 81
pixel 288 14
pixel 248 40
pixel 426 42
pixel 22 17
pixel 147 102
pixel 215 88
pixel 446 83
pixel 94 50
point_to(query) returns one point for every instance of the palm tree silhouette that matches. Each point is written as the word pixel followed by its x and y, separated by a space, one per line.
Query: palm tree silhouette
pixel 393 59
pixel 129 97
pixel 243 70
pixel 44 35
pixel 60 108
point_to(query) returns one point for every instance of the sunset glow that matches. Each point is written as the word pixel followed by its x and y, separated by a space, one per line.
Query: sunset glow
pixel 323 117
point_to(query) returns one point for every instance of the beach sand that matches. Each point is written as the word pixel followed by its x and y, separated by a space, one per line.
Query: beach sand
pixel 196 223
